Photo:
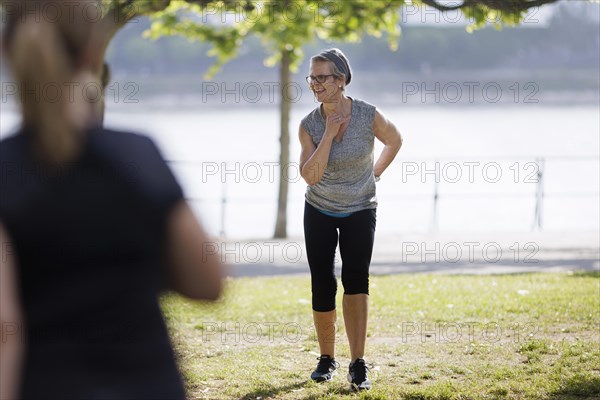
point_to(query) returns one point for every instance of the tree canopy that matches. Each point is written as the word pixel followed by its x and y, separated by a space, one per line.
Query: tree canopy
pixel 284 25
pixel 289 24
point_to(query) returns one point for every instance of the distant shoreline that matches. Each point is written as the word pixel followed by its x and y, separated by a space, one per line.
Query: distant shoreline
pixel 476 88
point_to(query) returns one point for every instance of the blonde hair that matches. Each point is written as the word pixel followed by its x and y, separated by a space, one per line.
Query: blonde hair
pixel 45 56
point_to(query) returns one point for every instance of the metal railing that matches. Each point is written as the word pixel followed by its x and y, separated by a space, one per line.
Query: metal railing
pixel 226 200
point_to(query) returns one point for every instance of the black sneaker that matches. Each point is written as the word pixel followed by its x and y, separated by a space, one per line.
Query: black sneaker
pixel 357 376
pixel 326 369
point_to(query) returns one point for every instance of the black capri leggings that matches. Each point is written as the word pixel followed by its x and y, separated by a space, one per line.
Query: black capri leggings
pixel 356 236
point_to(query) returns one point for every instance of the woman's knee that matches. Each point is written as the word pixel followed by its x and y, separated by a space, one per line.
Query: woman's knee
pixel 323 303
pixel 323 293
pixel 355 281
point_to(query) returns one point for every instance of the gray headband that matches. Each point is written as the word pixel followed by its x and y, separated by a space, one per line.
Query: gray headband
pixel 339 63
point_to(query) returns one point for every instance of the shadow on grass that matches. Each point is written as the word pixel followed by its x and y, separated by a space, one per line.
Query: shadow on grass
pixel 585 266
pixel 585 274
pixel 579 386
pixel 268 392
pixel 335 390
pixel 273 390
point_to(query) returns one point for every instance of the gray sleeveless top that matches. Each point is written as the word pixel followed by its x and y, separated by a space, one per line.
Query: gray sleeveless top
pixel 348 184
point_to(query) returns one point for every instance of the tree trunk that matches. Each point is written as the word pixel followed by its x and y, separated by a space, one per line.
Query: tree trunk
pixel 101 37
pixel 284 141
pixel 102 34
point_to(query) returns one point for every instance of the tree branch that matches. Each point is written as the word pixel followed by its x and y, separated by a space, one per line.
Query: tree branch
pixel 442 7
pixel 511 6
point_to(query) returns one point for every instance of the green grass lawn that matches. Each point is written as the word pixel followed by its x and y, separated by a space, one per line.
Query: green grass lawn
pixel 530 336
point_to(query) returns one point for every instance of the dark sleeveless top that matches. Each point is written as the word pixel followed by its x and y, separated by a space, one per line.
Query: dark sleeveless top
pixel 88 241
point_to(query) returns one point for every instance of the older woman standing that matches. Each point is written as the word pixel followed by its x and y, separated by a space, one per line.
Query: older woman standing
pixel 336 161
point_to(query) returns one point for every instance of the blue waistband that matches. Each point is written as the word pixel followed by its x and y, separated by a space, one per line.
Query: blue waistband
pixel 336 215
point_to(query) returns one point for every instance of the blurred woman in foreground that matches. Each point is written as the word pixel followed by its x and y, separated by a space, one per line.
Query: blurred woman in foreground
pixel 93 226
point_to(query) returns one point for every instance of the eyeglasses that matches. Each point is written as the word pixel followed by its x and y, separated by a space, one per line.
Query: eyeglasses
pixel 319 78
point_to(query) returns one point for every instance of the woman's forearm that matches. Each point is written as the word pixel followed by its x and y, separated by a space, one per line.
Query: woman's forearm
pixel 11 345
pixel 314 168
pixel 10 361
pixel 386 157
